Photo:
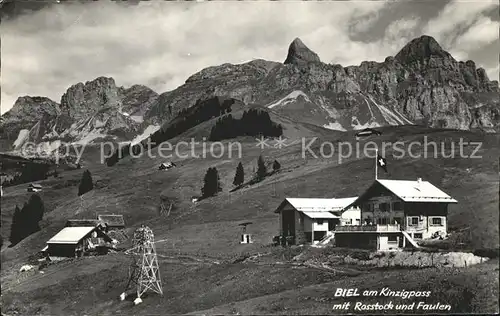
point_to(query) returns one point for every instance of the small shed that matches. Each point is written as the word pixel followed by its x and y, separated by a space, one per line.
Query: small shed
pixel 245 238
pixel 34 187
pixel 75 241
pixel 166 165
pixel 112 221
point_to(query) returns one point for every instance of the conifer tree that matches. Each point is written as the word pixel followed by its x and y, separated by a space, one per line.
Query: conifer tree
pixel 211 183
pixel 276 166
pixel 261 169
pixel 35 215
pixel 86 183
pixel 239 176
pixel 15 227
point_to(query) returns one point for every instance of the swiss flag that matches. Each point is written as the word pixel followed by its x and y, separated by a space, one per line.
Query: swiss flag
pixel 382 162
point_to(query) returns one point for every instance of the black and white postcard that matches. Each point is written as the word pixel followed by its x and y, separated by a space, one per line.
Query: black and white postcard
pixel 249 157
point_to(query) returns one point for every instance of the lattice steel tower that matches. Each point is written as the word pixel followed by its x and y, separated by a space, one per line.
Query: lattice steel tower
pixel 144 270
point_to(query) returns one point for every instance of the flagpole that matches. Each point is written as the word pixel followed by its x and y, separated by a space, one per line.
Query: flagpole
pixel 376 163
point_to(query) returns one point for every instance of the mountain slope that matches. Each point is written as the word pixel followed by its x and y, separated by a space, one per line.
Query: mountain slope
pixel 209 231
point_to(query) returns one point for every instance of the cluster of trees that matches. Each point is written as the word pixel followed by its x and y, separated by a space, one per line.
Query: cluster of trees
pixel 212 185
pixel 202 111
pixel 252 123
pixel 26 220
pixel 86 183
pixel 30 172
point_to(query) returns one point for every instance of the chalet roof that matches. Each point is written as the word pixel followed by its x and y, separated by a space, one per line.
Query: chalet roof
pixel 34 185
pixel 416 191
pixel 319 215
pixel 319 205
pixel 70 235
pixel 112 219
pixel 82 222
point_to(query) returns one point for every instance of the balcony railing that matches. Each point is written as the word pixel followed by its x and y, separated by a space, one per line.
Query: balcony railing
pixel 368 228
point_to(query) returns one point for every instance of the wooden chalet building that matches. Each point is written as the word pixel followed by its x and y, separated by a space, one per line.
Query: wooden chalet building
pixel 75 241
pixel 395 213
pixel 112 221
pixel 310 220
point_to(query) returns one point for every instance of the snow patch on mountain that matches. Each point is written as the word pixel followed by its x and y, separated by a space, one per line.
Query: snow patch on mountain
pixel 335 126
pixel 331 111
pixel 289 98
pixel 137 118
pixel 21 138
pixel 403 117
pixel 89 137
pixel 356 125
pixel 145 134
pixel 369 107
pixel 351 86
pixel 388 115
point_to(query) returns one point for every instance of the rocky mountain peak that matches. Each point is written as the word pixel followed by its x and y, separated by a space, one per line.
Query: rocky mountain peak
pixel 299 53
pixel 419 48
pixel 83 99
pixel 33 107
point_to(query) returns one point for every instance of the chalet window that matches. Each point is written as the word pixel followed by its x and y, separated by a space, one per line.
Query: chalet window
pixel 437 221
pixel 413 221
pixel 384 207
pixel 382 221
pixel 348 221
pixel 397 206
pixel 320 222
pixel 369 207
pixel 417 236
pixel 392 238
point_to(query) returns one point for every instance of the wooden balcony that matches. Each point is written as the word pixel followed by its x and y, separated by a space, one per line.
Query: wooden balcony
pixel 390 228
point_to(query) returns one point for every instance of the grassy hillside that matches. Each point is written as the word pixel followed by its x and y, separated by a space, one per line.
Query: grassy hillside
pixel 208 230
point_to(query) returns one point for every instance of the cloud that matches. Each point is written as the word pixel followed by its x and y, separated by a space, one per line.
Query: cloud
pixel 364 23
pixel 493 73
pixel 159 44
pixel 483 32
pixel 455 16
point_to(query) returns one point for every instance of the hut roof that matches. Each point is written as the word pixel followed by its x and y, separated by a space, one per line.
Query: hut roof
pixel 112 219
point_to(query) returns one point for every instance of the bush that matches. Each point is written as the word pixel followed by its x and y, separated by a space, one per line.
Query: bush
pixel 487 252
pixel 360 255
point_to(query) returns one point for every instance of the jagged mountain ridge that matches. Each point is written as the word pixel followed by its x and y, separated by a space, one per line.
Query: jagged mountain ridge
pixel 422 84
pixel 88 112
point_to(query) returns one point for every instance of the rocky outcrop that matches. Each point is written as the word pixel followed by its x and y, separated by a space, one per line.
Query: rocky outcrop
pixel 88 112
pixel 81 100
pixel 299 53
pixel 26 112
pixel 138 99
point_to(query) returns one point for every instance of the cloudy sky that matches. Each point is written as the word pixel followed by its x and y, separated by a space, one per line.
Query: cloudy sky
pixel 160 44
